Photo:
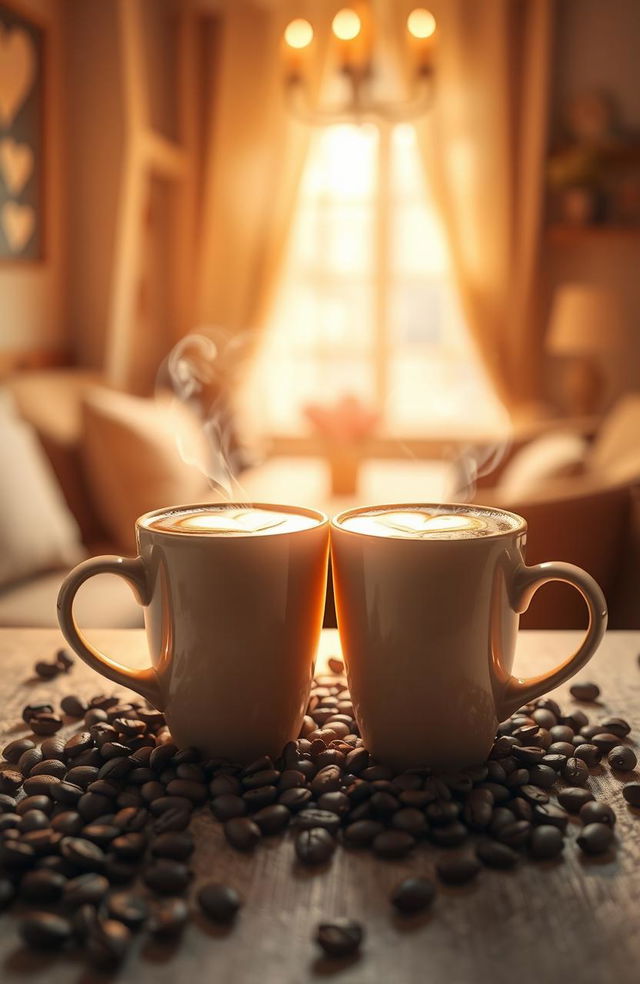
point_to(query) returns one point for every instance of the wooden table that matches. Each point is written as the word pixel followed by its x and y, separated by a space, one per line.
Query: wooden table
pixel 573 921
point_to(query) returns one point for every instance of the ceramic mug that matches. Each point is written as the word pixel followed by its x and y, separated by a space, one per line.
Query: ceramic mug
pixel 232 625
pixel 428 630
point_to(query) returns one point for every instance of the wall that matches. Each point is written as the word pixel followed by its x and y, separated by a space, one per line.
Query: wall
pixel 32 312
pixel 95 129
pixel 598 44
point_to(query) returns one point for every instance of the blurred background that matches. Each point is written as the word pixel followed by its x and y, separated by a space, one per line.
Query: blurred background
pixel 292 251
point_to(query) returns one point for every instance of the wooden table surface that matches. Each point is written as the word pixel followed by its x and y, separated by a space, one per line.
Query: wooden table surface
pixel 573 920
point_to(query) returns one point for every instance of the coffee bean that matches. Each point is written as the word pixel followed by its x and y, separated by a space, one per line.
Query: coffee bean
pixel 42 803
pixel 493 854
pixel 312 817
pixel 40 785
pixel 597 813
pixel 87 889
pixel 42 887
pixel 33 820
pixel 170 820
pixel 631 793
pixel 340 937
pixel 515 834
pixel 533 794
pixel 326 780
pixel 219 902
pixel 128 908
pixel 45 724
pixel 575 771
pixel 266 777
pixel 622 758
pixel 585 691
pixel 107 943
pixel 272 819
pixel 393 844
pixel 16 855
pixel 7 803
pixel 561 732
pixel 542 776
pixel 242 833
pixel 129 847
pixel 45 931
pixel 10 781
pixel 413 895
pixel 196 792
pixel 605 741
pixel 73 706
pixel 228 805
pixel 478 809
pixel 50 767
pixel 314 846
pixel 295 799
pixel 595 838
pixel 82 775
pixel 546 842
pixel 28 760
pixel 574 798
pixel 548 814
pixel 361 833
pixel 590 754
pixel 616 726
pixel 7 892
pixel 178 846
pixel 357 760
pixel 100 833
pixel 564 748
pixel 64 659
pixel 335 802
pixel 82 853
pixel 16 748
pixel 131 820
pixel 167 877
pixel 67 793
pixel 168 918
pixel 449 835
pixel 256 799
pixel 457 870
pixel 46 671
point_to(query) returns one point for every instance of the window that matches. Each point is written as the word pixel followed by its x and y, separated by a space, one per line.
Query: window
pixel 366 305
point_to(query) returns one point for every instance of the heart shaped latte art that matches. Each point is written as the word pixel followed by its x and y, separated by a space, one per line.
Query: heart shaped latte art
pixel 17 71
pixel 18 223
pixel 16 164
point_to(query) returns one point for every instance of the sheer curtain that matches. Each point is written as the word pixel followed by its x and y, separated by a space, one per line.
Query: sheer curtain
pixel 483 144
pixel 254 158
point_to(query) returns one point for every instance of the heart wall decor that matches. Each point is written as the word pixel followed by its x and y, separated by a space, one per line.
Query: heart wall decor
pixel 18 69
pixel 16 164
pixel 18 222
pixel 23 89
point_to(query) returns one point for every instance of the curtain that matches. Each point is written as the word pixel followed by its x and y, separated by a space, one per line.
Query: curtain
pixel 254 160
pixel 483 144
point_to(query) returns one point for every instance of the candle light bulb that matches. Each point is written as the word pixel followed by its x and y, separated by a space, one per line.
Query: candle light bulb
pixel 299 33
pixel 421 23
pixel 346 24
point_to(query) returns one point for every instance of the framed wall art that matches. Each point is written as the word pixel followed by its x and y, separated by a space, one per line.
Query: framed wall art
pixel 22 54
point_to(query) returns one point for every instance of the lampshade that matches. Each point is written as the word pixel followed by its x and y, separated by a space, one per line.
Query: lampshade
pixel 586 320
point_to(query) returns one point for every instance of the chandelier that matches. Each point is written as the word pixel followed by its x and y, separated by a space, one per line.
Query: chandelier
pixel 351 38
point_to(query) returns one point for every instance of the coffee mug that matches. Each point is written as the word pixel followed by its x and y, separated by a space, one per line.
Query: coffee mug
pixel 233 617
pixel 428 604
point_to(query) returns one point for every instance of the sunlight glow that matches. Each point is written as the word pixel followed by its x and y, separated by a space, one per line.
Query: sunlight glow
pixel 421 23
pixel 346 24
pixel 299 33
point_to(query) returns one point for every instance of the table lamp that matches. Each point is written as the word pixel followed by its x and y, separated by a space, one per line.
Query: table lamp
pixel 586 324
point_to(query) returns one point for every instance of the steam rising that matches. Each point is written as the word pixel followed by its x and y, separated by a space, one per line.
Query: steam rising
pixel 198 378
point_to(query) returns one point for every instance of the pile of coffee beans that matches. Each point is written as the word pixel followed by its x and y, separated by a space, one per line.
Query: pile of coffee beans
pixel 94 827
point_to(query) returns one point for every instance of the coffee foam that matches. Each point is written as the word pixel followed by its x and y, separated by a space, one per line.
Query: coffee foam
pixel 233 521
pixel 429 524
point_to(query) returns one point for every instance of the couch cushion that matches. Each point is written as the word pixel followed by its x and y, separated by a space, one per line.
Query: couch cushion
pixel 131 457
pixel 543 460
pixel 37 531
pixel 50 400
pixel 615 455
pixel 103 602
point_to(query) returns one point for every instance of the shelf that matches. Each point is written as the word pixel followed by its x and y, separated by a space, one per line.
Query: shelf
pixel 564 233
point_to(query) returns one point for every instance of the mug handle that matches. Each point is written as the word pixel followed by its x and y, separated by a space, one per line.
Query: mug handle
pixel 132 569
pixel 526 581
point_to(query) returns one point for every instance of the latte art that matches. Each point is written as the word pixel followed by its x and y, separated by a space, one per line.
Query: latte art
pixel 233 521
pixel 425 524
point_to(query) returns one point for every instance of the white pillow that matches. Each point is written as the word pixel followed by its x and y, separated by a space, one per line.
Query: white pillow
pixel 37 531
pixel 545 459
